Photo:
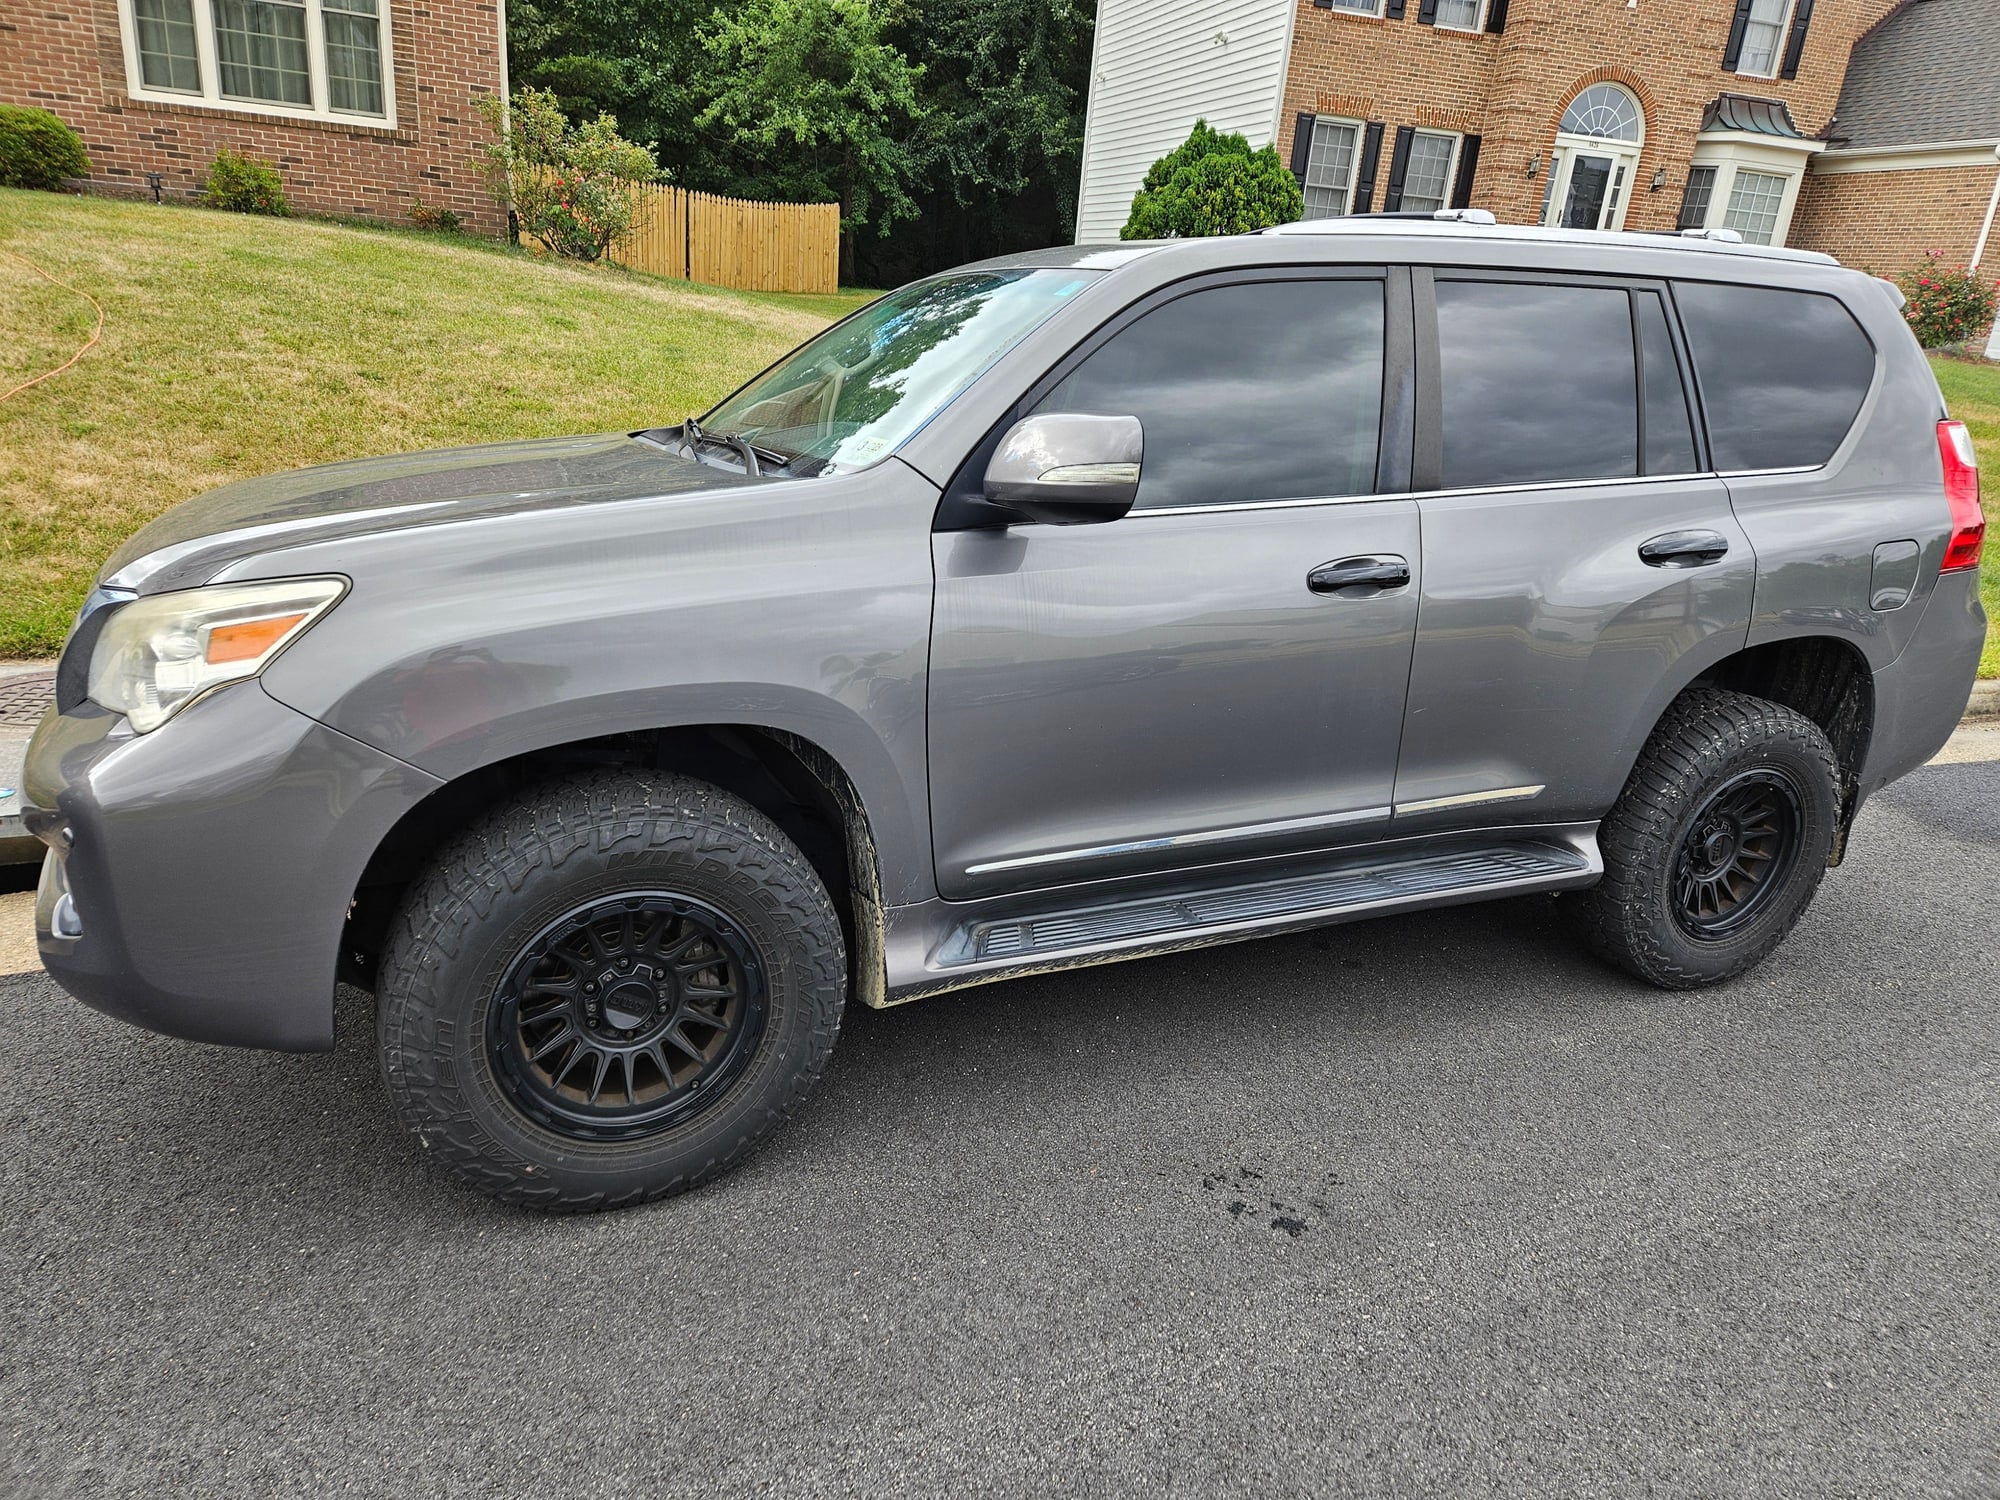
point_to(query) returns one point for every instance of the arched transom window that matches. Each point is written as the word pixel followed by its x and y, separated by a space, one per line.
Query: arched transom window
pixel 1606 111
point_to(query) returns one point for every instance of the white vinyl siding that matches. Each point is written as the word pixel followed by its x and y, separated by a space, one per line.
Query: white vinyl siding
pixel 1160 65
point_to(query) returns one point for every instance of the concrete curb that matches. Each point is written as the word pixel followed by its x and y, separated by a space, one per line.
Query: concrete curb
pixel 1984 702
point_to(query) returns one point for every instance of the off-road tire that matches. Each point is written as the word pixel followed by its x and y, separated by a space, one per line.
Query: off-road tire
pixel 467 918
pixel 1707 739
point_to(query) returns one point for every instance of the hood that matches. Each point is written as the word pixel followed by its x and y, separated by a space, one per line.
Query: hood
pixel 191 542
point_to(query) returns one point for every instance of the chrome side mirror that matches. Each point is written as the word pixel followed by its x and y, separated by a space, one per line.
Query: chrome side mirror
pixel 1068 469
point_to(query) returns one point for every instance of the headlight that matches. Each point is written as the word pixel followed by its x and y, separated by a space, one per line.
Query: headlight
pixel 158 654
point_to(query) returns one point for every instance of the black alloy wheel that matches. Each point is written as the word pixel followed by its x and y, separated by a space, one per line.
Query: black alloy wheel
pixel 626 1015
pixel 609 990
pixel 1739 848
pixel 1718 842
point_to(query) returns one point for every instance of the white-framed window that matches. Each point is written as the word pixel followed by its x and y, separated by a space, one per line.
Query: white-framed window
pixel 1329 184
pixel 1695 198
pixel 1748 185
pixel 1764 38
pixel 1427 174
pixel 1357 7
pixel 315 59
pixel 1756 200
pixel 1461 15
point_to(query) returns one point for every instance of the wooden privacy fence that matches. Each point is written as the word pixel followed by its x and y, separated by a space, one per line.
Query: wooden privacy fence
pixel 758 247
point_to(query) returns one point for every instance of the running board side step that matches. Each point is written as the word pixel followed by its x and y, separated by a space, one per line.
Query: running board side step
pixel 1363 886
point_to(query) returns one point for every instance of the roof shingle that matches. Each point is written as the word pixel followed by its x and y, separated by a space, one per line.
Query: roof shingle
pixel 1928 73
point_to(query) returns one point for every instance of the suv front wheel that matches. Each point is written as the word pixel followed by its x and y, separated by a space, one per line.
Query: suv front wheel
pixel 610 991
pixel 1718 842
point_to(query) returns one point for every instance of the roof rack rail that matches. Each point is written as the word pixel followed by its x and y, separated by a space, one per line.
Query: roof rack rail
pixel 1440 215
pixel 1721 236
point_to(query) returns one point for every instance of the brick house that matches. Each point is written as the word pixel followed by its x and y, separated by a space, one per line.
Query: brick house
pixel 1603 114
pixel 364 105
pixel 1913 156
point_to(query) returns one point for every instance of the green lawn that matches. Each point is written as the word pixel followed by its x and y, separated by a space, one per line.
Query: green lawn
pixel 1973 392
pixel 236 346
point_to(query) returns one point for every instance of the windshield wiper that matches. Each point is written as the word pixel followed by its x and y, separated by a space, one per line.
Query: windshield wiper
pixel 755 458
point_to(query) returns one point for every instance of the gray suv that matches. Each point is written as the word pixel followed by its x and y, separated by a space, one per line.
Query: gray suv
pixel 1069 607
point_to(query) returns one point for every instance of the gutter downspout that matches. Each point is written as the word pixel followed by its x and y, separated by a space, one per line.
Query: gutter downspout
pixel 1979 249
pixel 506 104
pixel 1986 227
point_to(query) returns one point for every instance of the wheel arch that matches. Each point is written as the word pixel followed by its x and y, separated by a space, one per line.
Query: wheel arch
pixel 1827 679
pixel 792 780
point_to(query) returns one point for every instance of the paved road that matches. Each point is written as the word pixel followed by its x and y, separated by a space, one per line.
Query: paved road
pixel 1429 1206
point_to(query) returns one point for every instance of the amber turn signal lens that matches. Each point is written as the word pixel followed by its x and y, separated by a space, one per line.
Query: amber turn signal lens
pixel 248 639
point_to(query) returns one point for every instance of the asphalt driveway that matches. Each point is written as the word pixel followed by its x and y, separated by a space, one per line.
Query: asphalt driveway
pixel 1425 1206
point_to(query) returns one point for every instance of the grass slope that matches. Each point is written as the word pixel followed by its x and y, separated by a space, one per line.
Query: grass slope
pixel 1972 389
pixel 236 346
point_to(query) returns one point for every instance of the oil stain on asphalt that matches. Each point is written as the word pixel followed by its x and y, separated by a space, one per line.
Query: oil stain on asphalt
pixel 1247 1183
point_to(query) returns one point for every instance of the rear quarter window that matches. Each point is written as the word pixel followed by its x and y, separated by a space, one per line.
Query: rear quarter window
pixel 1782 374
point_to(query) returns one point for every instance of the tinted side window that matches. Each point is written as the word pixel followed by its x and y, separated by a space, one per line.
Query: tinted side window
pixel 1669 428
pixel 1539 382
pixel 1268 390
pixel 1782 373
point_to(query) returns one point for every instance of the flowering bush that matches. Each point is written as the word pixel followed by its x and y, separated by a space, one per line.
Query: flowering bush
pixel 569 185
pixel 1946 304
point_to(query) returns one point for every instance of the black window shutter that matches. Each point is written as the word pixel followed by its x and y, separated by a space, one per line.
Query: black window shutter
pixel 1496 16
pixel 1394 10
pixel 1323 4
pixel 1734 51
pixel 1795 44
pixel 1427 12
pixel 1364 172
pixel 1468 163
pixel 1399 166
pixel 1302 144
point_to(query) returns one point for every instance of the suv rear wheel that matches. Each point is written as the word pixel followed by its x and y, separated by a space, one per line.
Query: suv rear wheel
pixel 1718 842
pixel 608 992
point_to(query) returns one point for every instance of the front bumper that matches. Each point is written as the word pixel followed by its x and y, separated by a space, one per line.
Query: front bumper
pixel 198 877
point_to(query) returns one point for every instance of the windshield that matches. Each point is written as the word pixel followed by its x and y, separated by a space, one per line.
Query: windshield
pixel 858 390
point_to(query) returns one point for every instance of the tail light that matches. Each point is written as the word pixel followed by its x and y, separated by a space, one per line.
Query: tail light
pixel 1961 488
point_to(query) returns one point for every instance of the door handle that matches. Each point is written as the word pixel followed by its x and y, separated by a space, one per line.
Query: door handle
pixel 1684 549
pixel 1365 575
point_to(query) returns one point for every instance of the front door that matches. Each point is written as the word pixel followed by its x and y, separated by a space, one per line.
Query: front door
pixel 1581 564
pixel 1175 688
pixel 1589 183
